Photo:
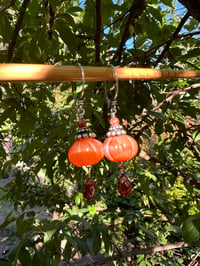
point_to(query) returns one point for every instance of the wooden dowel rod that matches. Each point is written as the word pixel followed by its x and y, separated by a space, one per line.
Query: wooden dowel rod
pixel 55 73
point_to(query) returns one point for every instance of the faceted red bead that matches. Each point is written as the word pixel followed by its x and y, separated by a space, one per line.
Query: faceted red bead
pixel 124 186
pixel 90 190
pixel 82 122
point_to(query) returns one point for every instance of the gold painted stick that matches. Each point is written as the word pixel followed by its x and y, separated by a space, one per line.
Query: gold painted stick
pixel 56 73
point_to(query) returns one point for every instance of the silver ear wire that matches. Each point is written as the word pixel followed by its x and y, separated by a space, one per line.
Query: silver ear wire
pixel 116 82
pixel 83 80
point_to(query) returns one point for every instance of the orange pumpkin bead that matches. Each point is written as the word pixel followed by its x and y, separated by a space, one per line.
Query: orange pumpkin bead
pixel 120 148
pixel 85 152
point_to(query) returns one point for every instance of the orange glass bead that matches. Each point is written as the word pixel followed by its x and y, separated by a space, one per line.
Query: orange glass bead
pixel 120 148
pixel 114 121
pixel 85 152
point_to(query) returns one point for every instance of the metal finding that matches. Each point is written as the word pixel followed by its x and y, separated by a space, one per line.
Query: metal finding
pixel 116 82
pixel 80 109
pixel 83 80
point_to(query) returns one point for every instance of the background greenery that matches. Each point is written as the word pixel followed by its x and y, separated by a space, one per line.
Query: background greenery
pixel 159 223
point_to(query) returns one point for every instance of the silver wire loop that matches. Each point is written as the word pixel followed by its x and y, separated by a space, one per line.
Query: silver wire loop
pixel 80 109
pixel 116 86
pixel 83 80
pixel 113 109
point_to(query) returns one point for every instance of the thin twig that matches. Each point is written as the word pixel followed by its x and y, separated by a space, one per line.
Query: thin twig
pixel 176 32
pixel 98 31
pixel 147 251
pixel 169 96
pixel 194 260
pixel 12 2
pixel 176 172
pixel 17 29
pixel 60 8
pixel 135 11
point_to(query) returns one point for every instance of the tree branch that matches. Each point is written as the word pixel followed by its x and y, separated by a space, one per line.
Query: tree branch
pixel 135 11
pixel 178 173
pixel 147 251
pixel 190 146
pixel 169 97
pixel 193 6
pixel 98 31
pixel 12 2
pixel 153 50
pixel 175 34
pixel 17 29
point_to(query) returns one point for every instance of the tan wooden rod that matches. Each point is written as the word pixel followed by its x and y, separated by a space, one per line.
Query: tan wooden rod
pixel 56 73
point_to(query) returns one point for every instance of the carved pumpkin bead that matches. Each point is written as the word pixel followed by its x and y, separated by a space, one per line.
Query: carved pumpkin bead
pixel 120 148
pixel 85 152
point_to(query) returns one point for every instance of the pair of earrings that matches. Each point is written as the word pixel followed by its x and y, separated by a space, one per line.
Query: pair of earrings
pixel 117 147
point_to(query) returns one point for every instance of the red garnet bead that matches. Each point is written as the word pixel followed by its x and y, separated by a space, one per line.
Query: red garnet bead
pixel 81 122
pixel 124 186
pixel 85 152
pixel 120 148
pixel 89 191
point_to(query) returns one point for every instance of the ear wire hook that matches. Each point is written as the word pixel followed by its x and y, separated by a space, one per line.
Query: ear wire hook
pixel 116 86
pixel 79 103
pixel 83 80
pixel 113 109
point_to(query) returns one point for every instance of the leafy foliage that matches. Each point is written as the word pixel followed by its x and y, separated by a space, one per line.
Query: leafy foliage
pixel 38 122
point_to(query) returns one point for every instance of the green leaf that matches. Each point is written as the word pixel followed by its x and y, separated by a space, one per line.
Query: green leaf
pixel 74 9
pixel 191 228
pixel 38 258
pixel 9 219
pixel 56 261
pixel 156 13
pixel 159 127
pixel 191 53
pixel 85 223
pixel 96 246
pixel 49 234
pixel 27 122
pixel 69 19
pixel 5 29
pixel 131 30
pixel 158 115
pixel 14 250
pixel 82 245
pixel 146 231
pixel 66 34
pixel 25 257
pixel 106 240
pixel 167 3
pixel 4 262
pixel 23 225
pixel 67 250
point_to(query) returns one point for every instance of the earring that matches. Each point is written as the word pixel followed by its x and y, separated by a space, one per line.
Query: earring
pixel 86 150
pixel 119 146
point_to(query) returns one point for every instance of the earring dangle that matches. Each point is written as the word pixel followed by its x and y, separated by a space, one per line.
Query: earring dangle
pixel 118 146
pixel 86 150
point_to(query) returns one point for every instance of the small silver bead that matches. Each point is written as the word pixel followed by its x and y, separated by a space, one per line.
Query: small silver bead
pixel 85 135
pixel 108 134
